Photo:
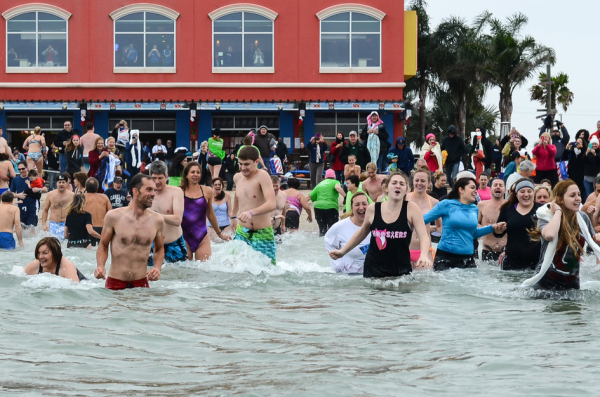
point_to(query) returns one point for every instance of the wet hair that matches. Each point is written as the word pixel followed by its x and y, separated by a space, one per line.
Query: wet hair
pixel 275 179
pixel 53 245
pixel 396 173
pixel 512 194
pixel 363 176
pixel 89 126
pixel 184 182
pixel 293 183
pixel 425 170
pixel 354 179
pixel 248 153
pixel 158 168
pixel 221 195
pixel 569 229
pixel 461 183
pixel 76 205
pixel 80 177
pixel 8 196
pixel 91 185
pixel 371 166
pixel 137 182
pixel 497 179
pixel 176 168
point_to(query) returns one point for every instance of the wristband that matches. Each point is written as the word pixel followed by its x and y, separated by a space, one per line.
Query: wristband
pixel 233 217
pixel 250 212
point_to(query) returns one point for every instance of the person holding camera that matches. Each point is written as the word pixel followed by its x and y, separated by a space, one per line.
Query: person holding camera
pixel 121 134
pixel 133 154
pixel 317 147
pixel 545 153
pixel 560 138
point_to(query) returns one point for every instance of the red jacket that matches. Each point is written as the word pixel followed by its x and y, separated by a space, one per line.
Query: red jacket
pixel 545 157
pixel 335 153
pixel 431 160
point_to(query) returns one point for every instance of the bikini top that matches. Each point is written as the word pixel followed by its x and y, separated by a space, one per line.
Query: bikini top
pixel 428 199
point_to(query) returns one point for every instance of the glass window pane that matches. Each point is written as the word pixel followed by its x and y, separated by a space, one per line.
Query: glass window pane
pixel 127 50
pixel 365 50
pixel 19 123
pixel 324 117
pixel 43 122
pixel 158 23
pixel 130 23
pixel 222 122
pixel 245 122
pixel 257 23
pixel 336 23
pixel 347 117
pixel 51 23
pixel 364 23
pixel 270 122
pixel 228 50
pixel 142 125
pixel 22 23
pixel 21 50
pixel 164 125
pixel 335 50
pixel 229 23
pixel 328 131
pixel 258 50
pixel 346 128
pixel 156 50
pixel 53 50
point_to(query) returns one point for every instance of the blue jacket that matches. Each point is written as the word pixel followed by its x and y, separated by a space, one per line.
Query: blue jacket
pixel 313 152
pixel 459 226
pixel 510 169
pixel 406 158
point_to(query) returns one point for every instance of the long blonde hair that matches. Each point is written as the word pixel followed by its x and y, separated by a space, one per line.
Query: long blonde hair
pixel 569 226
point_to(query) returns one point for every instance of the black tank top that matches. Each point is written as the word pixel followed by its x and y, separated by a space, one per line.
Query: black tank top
pixel 79 274
pixel 389 254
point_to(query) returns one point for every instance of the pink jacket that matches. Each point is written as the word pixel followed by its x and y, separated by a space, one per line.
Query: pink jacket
pixel 545 157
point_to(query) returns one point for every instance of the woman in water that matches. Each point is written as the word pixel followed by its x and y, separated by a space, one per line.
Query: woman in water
pixel 222 208
pixel 541 194
pixel 518 213
pixel 562 230
pixel 216 154
pixel 391 224
pixel 439 189
pixel 74 154
pixel 35 145
pixel 78 227
pixel 197 207
pixel 49 259
pixel 460 216
pixel 425 202
pixel 325 197
pixel 340 233
pixel 296 201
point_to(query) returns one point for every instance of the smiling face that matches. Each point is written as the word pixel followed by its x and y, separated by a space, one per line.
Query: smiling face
pixel 372 173
pixel 571 199
pixel 498 188
pixel 525 196
pixel 353 139
pixel 160 181
pixel 542 196
pixel 76 142
pixel 340 136
pixel 145 195
pixel 469 193
pixel 217 186
pixel 276 187
pixel 441 182
pixel 420 181
pixel 517 142
pixel 100 146
pixel 44 255
pixel 247 167
pixel 194 175
pixel 359 208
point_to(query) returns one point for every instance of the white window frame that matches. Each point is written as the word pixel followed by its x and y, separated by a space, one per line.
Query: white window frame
pixel 351 8
pixel 37 8
pixel 145 8
pixel 359 123
pixel 243 8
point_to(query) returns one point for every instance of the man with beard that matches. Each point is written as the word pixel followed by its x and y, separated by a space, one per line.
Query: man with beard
pixel 488 215
pixel 130 232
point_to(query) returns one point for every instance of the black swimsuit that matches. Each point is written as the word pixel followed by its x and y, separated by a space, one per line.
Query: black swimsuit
pixel 79 274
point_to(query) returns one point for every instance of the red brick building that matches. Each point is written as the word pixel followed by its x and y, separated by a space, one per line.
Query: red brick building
pixel 224 64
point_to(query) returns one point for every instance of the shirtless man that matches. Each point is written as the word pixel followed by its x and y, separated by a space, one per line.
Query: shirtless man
pixel 97 204
pixel 7 172
pixel 57 201
pixel 88 141
pixel 255 199
pixel 489 210
pixel 425 202
pixel 130 232
pixel 10 217
pixel 351 168
pixel 278 214
pixel 168 202
pixel 4 148
pixel 372 185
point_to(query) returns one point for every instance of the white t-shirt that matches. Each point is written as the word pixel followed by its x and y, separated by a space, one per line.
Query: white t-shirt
pixel 512 178
pixel 337 236
pixel 158 148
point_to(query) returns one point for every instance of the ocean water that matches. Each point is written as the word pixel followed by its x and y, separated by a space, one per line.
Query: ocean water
pixel 235 325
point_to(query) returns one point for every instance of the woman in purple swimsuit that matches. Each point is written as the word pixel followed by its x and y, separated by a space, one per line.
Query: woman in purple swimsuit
pixel 197 207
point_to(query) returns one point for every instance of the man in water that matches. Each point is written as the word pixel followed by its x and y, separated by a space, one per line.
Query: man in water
pixel 130 232
pixel 168 202
pixel 98 205
pixel 255 199
pixel 9 218
pixel 372 185
pixel 489 210
pixel 278 214
pixel 117 194
pixel 88 141
pixel 57 201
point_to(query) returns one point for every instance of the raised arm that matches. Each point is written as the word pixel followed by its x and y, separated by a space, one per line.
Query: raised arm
pixel 358 236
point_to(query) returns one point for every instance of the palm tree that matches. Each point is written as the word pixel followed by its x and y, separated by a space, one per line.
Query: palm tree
pixel 510 59
pixel 559 94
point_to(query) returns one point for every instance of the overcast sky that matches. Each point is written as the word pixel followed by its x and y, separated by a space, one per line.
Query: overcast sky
pixel 571 28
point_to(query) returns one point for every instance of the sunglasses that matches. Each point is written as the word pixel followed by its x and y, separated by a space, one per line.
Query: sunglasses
pixel 22 169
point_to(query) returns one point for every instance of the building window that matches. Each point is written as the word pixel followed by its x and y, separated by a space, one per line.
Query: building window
pixel 234 127
pixel 144 41
pixel 18 126
pixel 243 42
pixel 350 39
pixel 36 42
pixel 329 123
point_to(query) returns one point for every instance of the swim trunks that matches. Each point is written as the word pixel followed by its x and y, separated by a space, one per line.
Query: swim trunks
pixel 3 190
pixel 447 260
pixel 261 240
pixel 292 220
pixel 35 156
pixel 277 230
pixel 7 241
pixel 174 252
pixel 115 284
pixel 78 243
pixel 94 240
pixel 490 255
pixel 57 229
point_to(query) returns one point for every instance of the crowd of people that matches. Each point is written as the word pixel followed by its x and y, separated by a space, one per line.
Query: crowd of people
pixel 534 212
